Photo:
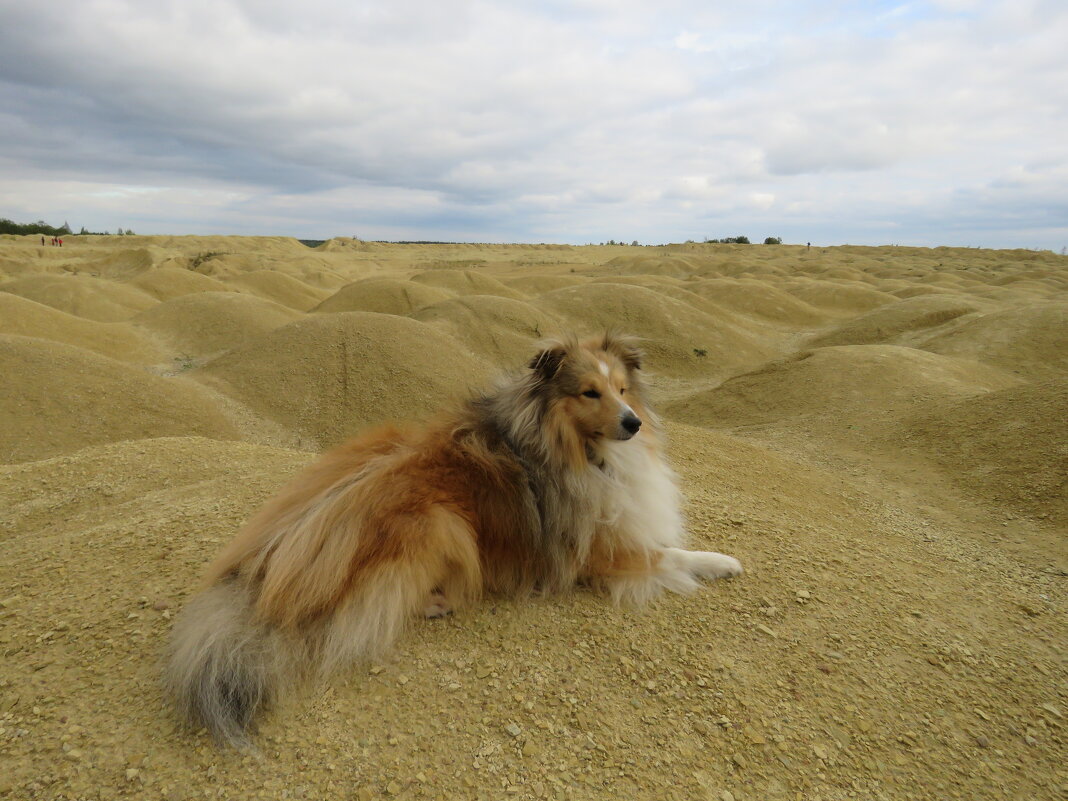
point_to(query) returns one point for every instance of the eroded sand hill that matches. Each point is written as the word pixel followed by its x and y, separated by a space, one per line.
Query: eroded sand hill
pixel 877 433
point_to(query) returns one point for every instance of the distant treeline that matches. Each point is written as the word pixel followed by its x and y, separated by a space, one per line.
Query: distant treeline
pixel 312 243
pixel 741 240
pixel 41 227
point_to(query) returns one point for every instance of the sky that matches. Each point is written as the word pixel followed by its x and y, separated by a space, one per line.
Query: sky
pixel 921 123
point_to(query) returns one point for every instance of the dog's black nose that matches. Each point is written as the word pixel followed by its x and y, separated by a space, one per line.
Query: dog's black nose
pixel 631 422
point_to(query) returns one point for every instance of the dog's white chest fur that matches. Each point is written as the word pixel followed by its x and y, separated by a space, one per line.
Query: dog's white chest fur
pixel 638 497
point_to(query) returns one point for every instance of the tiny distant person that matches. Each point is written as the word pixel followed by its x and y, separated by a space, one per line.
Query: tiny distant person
pixel 42 241
pixel 808 246
pixel 60 241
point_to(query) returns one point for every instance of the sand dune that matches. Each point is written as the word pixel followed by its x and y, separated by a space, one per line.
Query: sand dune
pixel 895 322
pixel 1008 446
pixel 1031 341
pixel 327 376
pixel 384 295
pixel 878 433
pixel 466 282
pixel 830 390
pixel 82 295
pixel 167 282
pixel 680 338
pixel 280 288
pixel 120 341
pixel 65 398
pixel 207 323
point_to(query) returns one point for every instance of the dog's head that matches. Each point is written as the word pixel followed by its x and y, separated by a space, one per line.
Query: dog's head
pixel 593 387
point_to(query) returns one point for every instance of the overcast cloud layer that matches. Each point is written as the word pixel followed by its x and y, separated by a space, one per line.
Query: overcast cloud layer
pixel 920 123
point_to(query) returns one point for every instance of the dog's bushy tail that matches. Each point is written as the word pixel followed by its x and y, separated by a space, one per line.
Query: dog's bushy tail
pixel 223 667
pixel 226 664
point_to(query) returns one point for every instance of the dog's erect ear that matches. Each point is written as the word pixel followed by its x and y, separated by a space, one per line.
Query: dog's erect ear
pixel 548 360
pixel 625 348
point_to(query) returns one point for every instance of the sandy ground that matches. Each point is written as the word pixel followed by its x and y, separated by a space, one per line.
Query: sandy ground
pixel 877 433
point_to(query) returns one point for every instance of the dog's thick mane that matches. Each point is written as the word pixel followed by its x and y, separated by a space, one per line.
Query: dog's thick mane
pixel 564 476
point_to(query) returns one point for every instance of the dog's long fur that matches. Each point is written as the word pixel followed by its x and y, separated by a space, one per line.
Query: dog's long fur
pixel 554 478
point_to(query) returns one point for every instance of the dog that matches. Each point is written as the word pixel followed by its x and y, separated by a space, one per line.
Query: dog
pixel 554 478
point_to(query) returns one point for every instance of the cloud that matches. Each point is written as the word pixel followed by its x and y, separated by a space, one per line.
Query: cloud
pixel 548 121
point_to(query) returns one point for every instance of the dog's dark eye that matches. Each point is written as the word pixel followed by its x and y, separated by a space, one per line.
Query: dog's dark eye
pixel 591 393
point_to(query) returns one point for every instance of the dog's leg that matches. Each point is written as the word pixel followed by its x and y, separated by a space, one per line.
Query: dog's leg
pixel 635 577
pixel 437 605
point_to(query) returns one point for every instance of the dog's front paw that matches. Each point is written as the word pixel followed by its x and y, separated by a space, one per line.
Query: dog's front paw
pixel 712 565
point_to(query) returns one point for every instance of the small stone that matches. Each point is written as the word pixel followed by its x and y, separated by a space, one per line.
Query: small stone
pixel 159 606
pixel 982 741
pixel 753 737
pixel 739 760
pixel 765 630
pixel 132 773
pixel 513 729
pixel 376 669
pixel 402 679
pixel 726 795
pixel 393 788
pixel 365 794
pixel 803 595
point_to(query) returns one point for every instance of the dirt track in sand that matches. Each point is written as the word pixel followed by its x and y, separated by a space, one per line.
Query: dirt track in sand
pixel 877 433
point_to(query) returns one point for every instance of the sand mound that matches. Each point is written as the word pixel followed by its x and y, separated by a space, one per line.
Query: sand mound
pixel 680 339
pixel 123 264
pixel 838 298
pixel 207 323
pixel 894 321
pixel 83 296
pixel 537 284
pixel 66 398
pixel 675 266
pixel 165 283
pixel 328 376
pixel 757 299
pixel 1030 341
pixel 502 329
pixel 1010 446
pixel 913 291
pixel 847 390
pixel 117 340
pixel 383 295
pixel 467 282
pixel 280 288
pixel 223 263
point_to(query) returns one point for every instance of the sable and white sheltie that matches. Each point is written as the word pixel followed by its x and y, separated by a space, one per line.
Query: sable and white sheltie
pixel 554 478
